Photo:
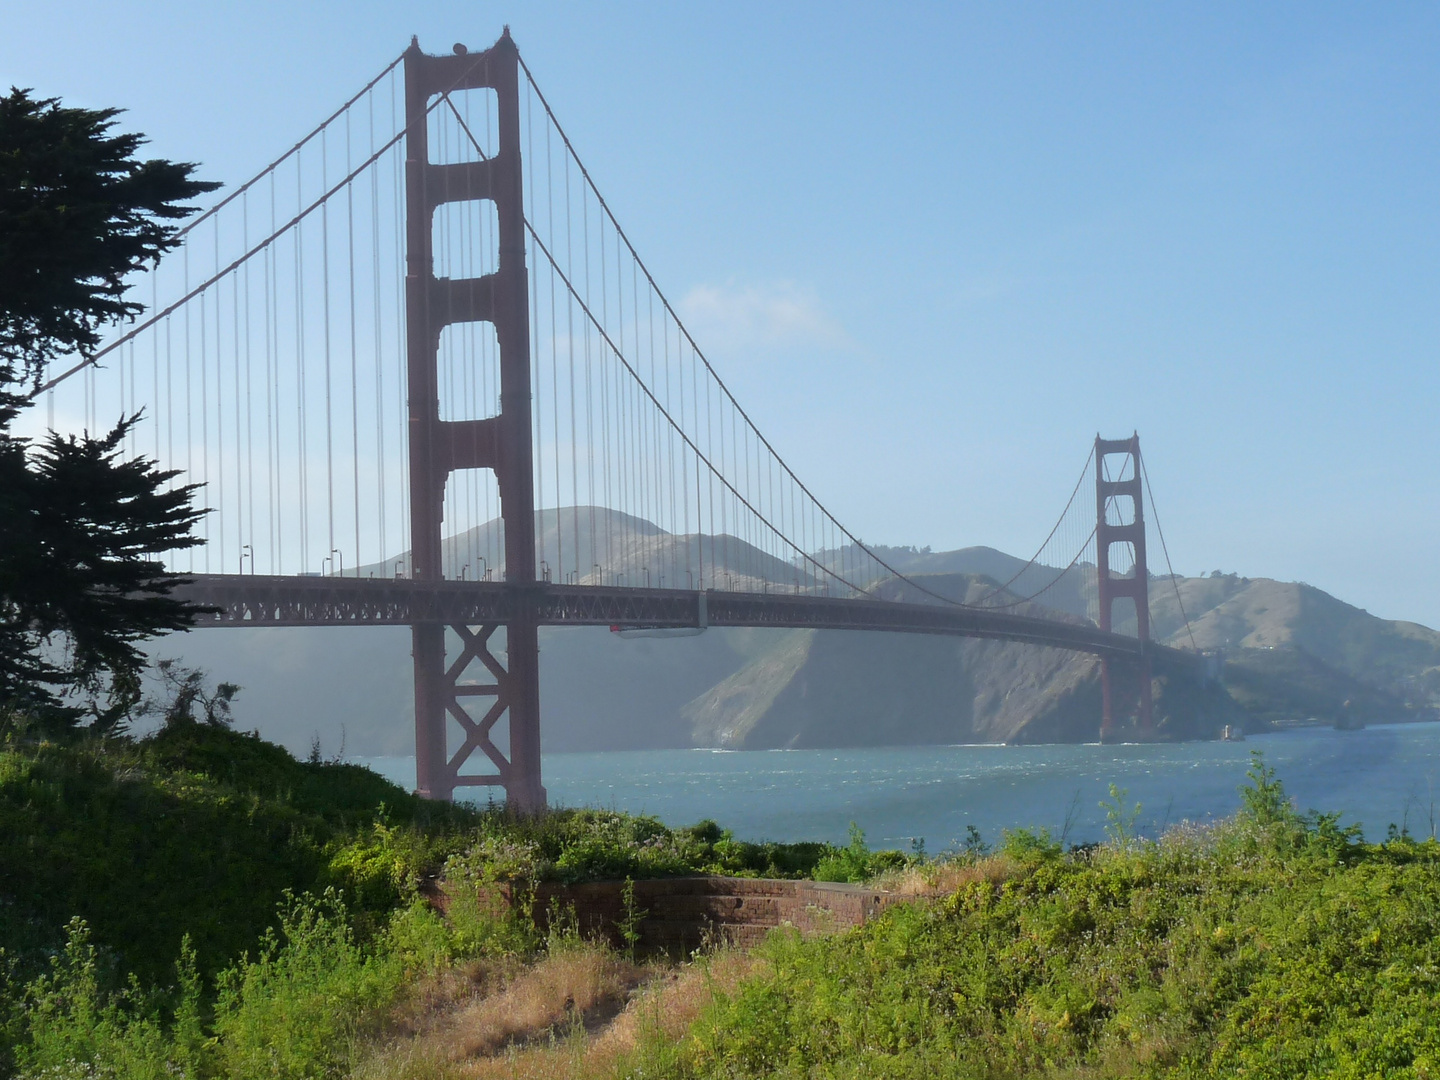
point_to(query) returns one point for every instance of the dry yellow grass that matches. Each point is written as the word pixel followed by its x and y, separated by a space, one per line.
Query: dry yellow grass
pixel 944 878
pixel 488 1009
pixel 583 1012
pixel 658 1015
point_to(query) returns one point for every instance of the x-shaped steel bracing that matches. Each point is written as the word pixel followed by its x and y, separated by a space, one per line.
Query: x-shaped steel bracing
pixel 475 645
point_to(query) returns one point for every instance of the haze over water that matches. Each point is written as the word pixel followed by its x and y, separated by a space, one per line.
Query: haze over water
pixel 1377 776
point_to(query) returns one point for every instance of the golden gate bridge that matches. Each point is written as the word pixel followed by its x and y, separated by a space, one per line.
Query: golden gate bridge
pixel 426 379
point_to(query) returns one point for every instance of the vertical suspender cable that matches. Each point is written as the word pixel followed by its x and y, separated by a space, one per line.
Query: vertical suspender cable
pixel 272 339
pixel 204 419
pixel 555 364
pixel 604 390
pixel 590 497
pixel 301 382
pixel 570 349
pixel 538 408
pixel 354 350
pixel 189 400
pixel 155 368
pixel 376 351
pixel 695 411
pixel 219 408
pixel 249 389
pixel 325 310
pixel 401 368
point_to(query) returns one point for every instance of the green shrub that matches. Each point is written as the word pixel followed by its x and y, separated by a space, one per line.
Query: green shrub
pixel 1273 945
pixel 198 830
pixel 850 863
pixel 73 1023
pixel 1030 845
pixel 1276 944
pixel 301 1007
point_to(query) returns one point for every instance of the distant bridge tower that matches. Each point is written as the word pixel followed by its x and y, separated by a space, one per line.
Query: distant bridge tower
pixel 1120 519
pixel 501 443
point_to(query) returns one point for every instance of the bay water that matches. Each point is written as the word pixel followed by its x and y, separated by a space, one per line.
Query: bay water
pixel 903 796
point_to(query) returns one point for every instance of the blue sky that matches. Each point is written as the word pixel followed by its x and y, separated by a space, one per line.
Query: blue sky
pixel 935 248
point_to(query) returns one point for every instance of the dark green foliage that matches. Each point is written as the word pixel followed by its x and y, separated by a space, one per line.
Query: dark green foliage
pixel 198 831
pixel 1276 945
pixel 299 1007
pixel 1264 797
pixel 163 863
pixel 79 526
pixel 78 214
pixel 606 845
pixel 79 529
pixel 1169 961
pixel 855 862
pixel 1030 845
pixel 76 1012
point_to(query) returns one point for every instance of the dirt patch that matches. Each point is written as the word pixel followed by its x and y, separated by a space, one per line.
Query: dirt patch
pixel 494 1011
pixel 657 1013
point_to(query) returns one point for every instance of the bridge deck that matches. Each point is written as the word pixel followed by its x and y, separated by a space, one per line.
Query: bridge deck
pixel 256 600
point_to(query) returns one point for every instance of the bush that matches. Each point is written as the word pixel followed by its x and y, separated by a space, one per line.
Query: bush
pixel 302 1006
pixel 197 830
pixel 855 862
pixel 1276 944
pixel 74 1022
pixel 1273 945
pixel 1028 846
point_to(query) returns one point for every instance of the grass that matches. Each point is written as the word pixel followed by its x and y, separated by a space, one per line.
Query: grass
pixel 312 943
pixel 1271 946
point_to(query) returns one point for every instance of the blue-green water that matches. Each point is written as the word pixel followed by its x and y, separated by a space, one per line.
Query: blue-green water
pixel 899 794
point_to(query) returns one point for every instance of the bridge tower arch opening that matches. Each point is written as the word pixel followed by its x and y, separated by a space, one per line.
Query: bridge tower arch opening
pixel 501 443
pixel 1122 573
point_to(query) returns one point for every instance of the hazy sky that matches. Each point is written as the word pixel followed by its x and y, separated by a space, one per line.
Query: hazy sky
pixel 935 248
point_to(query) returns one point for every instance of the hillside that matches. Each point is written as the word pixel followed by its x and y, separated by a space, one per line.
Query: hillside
pixel 632 549
pixel 1243 615
pixel 1292 652
pixel 823 688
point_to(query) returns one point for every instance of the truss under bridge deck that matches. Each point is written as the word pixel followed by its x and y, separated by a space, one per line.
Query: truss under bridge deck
pixel 258 600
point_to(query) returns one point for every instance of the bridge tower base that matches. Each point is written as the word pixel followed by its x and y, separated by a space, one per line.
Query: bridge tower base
pixel 501 443
pixel 1120 519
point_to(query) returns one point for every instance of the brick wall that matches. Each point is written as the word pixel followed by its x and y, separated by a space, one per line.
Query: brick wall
pixel 680 914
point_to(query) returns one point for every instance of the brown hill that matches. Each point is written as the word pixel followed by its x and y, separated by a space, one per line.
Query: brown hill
pixel 1230 612
pixel 837 688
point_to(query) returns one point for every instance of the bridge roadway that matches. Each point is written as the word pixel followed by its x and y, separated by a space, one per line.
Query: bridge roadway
pixel 258 600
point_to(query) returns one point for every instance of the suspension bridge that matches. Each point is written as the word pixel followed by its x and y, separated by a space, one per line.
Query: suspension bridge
pixel 425 384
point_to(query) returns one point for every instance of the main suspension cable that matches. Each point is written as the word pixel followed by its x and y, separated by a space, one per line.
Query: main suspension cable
pixel 705 360
pixel 252 252
pixel 243 188
pixel 1084 469
pixel 1174 582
